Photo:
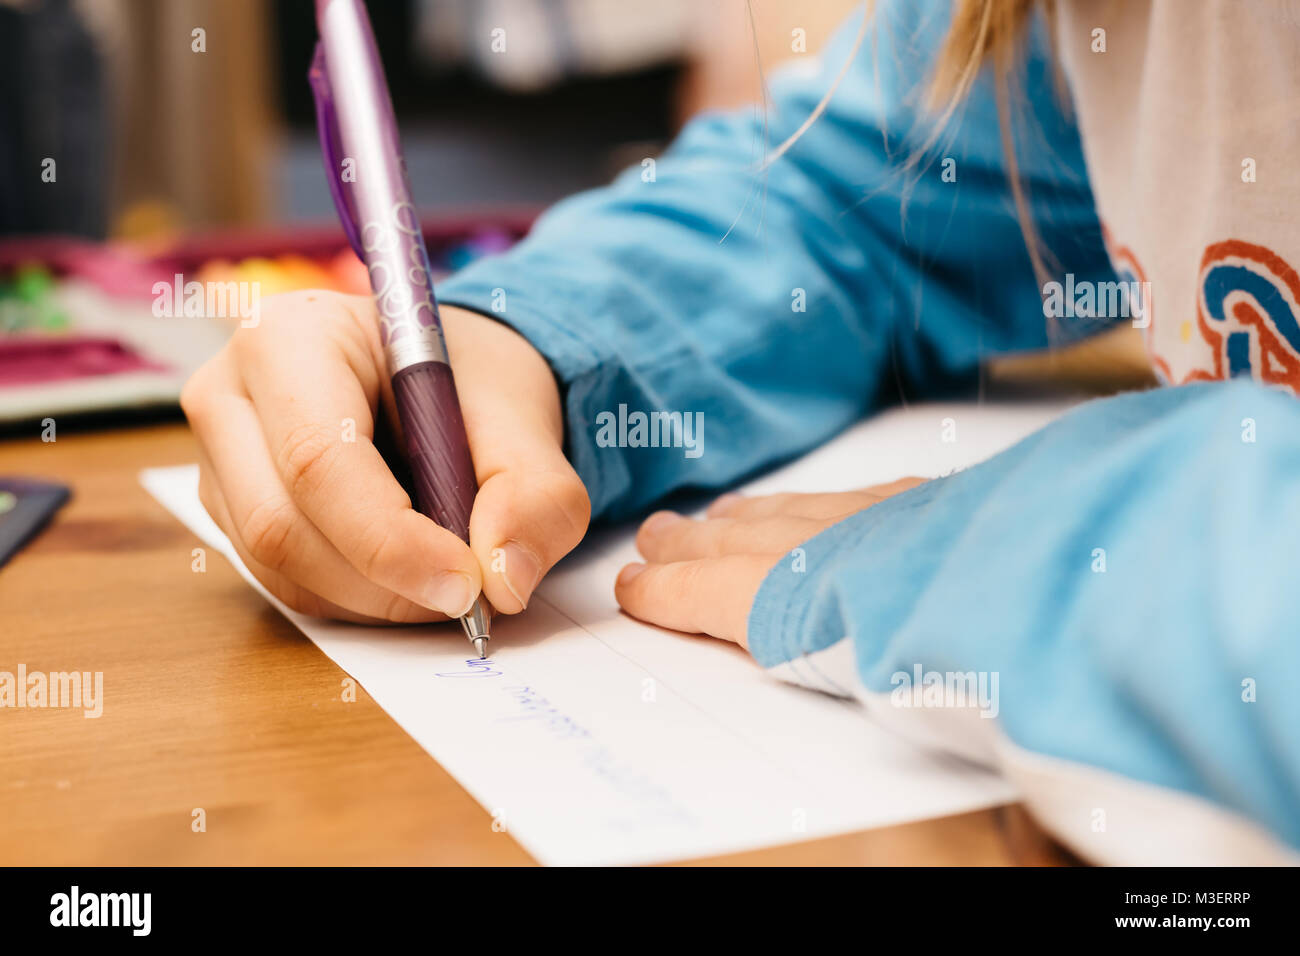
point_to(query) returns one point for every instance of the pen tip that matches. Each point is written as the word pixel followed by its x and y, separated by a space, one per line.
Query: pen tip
pixel 475 623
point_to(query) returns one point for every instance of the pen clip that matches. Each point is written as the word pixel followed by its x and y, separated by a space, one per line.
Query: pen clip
pixel 327 128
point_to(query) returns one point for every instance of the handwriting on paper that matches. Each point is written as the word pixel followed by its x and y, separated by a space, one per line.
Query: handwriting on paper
pixel 474 667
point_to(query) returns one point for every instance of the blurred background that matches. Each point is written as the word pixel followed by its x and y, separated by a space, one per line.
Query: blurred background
pixel 157 129
pixel 151 147
pixel 149 144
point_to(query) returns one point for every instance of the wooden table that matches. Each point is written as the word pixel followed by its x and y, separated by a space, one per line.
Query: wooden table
pixel 213 701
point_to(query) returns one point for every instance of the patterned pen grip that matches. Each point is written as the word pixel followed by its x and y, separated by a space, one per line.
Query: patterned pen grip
pixel 436 445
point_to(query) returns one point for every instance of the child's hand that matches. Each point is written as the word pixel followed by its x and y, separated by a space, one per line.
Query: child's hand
pixel 702 576
pixel 285 415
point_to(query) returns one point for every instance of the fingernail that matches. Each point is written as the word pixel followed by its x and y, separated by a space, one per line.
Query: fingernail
pixel 723 503
pixel 451 592
pixel 630 573
pixel 521 571
pixel 660 520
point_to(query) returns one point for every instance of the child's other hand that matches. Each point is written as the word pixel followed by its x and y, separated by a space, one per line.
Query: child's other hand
pixel 285 417
pixel 702 576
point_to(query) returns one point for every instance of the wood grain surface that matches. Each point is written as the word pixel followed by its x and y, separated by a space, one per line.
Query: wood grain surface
pixel 213 701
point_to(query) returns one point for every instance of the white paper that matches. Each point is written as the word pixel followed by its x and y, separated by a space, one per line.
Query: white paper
pixel 595 739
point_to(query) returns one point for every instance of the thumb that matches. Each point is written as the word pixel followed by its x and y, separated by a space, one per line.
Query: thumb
pixel 526 517
pixel 531 508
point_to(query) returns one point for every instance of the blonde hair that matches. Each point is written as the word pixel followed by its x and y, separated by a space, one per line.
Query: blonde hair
pixel 982 32
pixel 992 32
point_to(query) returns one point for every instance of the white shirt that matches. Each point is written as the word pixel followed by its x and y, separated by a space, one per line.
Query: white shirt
pixel 1189 112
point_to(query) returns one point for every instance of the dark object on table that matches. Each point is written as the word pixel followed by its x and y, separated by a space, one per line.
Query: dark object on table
pixel 25 507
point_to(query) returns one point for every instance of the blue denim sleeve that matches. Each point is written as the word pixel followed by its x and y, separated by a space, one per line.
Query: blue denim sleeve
pixel 1126 572
pixel 781 303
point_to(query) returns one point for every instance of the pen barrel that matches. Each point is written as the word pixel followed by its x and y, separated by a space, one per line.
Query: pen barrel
pixel 436 445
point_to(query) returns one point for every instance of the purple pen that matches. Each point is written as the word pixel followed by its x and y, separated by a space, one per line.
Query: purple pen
pixel 367 177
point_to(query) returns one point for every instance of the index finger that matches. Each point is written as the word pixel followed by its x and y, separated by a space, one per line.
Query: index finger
pixel 705 596
pixel 316 412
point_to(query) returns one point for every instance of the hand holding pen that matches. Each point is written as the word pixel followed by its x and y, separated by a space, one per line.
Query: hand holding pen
pixel 314 511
